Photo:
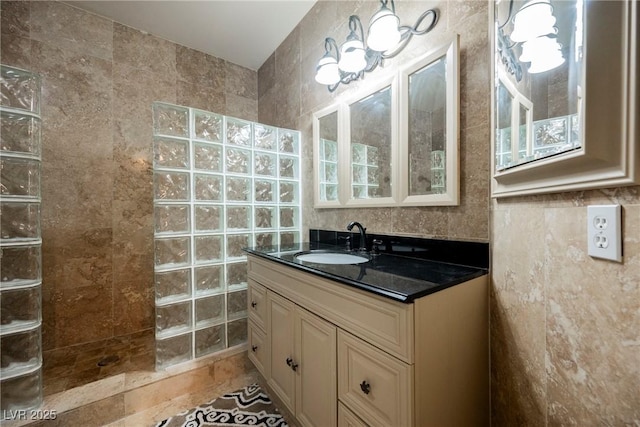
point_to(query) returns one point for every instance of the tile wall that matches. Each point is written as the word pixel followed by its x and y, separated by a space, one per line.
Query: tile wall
pixel 99 81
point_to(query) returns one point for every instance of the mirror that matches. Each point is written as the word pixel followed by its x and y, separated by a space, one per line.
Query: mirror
pixel 328 157
pixel 564 95
pixel 539 61
pixel 397 144
pixel 431 106
pixel 371 142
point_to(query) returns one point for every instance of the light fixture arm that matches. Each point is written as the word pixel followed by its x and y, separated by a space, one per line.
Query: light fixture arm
pixel 410 31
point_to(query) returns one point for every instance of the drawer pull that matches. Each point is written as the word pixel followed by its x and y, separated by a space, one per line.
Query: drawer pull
pixel 253 304
pixel 290 363
pixel 365 387
pixel 254 348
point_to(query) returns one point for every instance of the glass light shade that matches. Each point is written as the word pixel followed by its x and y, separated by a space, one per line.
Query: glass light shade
pixel 546 63
pixel 533 20
pixel 383 31
pixel 539 47
pixel 544 53
pixel 327 72
pixel 352 56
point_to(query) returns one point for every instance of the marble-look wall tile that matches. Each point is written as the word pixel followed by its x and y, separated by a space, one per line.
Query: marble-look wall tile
pixel 143 51
pixel 196 67
pixel 593 324
pixel 564 326
pixel 71 29
pixel 241 107
pixel 266 75
pixel 15 26
pixel 517 352
pixel 202 97
pixel 241 81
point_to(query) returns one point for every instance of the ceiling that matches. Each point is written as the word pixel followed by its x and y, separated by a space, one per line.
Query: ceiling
pixel 244 32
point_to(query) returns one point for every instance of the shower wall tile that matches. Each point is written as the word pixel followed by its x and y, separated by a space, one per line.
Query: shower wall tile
pixel 135 305
pixel 80 98
pixel 15 26
pixel 206 71
pixel 83 314
pixel 71 29
pixel 143 51
pixel 241 81
pixel 15 18
pixel 202 97
pixel 267 75
pixel 239 106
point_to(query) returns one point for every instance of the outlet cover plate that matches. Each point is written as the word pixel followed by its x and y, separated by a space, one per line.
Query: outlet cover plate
pixel 604 232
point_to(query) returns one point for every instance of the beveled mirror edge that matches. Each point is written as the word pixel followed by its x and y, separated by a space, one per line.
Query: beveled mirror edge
pixel 599 163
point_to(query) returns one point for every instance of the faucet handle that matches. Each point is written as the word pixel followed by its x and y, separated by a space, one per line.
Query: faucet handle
pixel 376 249
pixel 347 240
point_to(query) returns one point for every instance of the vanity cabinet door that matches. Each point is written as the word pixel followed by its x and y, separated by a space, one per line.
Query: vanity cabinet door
pixel 374 385
pixel 258 349
pixel 316 397
pixel 346 418
pixel 280 333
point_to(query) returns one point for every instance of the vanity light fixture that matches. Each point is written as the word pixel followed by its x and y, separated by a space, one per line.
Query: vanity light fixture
pixel 535 31
pixel 386 38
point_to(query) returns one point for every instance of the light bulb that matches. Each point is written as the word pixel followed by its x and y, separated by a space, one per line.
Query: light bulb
pixel 544 54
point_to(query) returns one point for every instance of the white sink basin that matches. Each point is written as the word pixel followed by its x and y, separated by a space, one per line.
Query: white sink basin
pixel 331 258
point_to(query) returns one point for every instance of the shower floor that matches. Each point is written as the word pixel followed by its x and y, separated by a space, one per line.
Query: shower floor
pixel 69 367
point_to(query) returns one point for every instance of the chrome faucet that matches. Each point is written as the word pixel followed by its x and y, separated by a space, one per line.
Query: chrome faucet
pixel 363 236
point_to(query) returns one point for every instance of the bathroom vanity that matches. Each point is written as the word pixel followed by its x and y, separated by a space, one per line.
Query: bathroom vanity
pixel 370 343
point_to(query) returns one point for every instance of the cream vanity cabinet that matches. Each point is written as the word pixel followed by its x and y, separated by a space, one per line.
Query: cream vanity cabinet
pixel 337 355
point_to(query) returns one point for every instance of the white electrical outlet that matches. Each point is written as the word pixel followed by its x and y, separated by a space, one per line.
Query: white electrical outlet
pixel 604 232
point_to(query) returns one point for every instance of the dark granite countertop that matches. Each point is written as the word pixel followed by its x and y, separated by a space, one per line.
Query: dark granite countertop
pixel 401 278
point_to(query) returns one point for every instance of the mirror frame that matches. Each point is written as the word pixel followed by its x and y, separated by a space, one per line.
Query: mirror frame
pixel 609 156
pixel 399 150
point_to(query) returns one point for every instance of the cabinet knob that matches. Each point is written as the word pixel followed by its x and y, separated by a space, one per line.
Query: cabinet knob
pixel 365 387
pixel 289 361
pixel 294 366
pixel 254 348
pixel 253 304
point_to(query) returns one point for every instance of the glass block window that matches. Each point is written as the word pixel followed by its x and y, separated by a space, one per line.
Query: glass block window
pixel 220 184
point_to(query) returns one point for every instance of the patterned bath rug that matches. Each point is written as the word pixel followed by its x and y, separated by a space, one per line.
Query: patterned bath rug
pixel 249 406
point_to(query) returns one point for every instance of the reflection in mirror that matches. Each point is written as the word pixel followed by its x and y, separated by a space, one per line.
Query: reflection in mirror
pixel 427 129
pixel 328 153
pixel 539 61
pixel 371 144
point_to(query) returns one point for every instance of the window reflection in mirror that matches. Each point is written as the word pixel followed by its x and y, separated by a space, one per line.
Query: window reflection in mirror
pixel 328 151
pixel 427 129
pixel 539 61
pixel 371 144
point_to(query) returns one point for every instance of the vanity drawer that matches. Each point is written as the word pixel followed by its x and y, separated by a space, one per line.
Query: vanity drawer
pixel 374 385
pixel 346 418
pixel 384 323
pixel 258 348
pixel 257 304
